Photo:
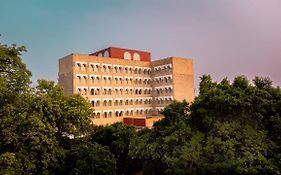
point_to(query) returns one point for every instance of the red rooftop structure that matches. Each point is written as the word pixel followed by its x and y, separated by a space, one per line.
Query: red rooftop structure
pixel 127 54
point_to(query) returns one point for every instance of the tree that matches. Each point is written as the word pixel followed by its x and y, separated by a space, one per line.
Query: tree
pixel 235 120
pixel 117 137
pixel 171 147
pixel 262 82
pixel 89 159
pixel 70 115
pixel 14 76
pixel 228 129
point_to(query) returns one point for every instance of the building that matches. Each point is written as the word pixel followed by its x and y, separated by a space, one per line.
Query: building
pixel 124 85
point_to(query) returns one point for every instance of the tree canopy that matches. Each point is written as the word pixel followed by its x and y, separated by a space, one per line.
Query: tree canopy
pixel 230 128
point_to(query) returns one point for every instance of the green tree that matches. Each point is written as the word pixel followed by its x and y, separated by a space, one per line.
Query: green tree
pixel 89 159
pixel 70 115
pixel 228 129
pixel 14 76
pixel 117 137
pixel 171 147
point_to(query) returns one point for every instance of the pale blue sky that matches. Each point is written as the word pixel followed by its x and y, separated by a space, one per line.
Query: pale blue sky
pixel 225 38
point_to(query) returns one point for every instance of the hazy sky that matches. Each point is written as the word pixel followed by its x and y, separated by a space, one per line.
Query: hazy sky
pixel 225 38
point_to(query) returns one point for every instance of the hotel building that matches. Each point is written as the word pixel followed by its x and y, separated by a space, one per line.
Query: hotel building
pixel 124 85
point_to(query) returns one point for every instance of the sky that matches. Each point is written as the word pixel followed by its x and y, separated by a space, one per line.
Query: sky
pixel 225 38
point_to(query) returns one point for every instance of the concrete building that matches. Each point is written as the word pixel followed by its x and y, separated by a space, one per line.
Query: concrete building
pixel 124 85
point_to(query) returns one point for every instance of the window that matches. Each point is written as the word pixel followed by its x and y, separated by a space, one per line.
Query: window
pixel 136 56
pixel 127 56
pixel 106 54
pixel 79 79
pixel 79 66
pixel 96 68
pixel 104 68
pixel 92 67
pixel 97 92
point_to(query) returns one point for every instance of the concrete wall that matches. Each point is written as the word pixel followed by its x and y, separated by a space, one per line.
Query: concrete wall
pixel 179 69
pixel 183 77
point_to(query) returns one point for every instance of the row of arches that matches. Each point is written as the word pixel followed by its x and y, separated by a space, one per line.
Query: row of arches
pixel 165 100
pixel 99 67
pixel 163 90
pixel 165 67
pixel 96 79
pixel 109 102
pixel 120 68
pixel 164 79
pixel 121 113
pixel 110 90
pixel 128 56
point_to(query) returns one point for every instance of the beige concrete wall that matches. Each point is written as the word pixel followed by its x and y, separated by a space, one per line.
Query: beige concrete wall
pixel 183 74
pixel 66 74
pixel 182 82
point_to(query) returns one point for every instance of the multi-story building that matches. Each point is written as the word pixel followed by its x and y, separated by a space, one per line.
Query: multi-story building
pixel 124 85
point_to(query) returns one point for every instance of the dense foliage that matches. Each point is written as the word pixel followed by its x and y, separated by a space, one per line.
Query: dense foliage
pixel 230 128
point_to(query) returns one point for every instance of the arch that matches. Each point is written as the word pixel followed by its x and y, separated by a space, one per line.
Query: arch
pixel 145 91
pixel 144 71
pixel 127 56
pixel 136 56
pixel 92 92
pixel 93 103
pixel 97 92
pixel 98 103
pixel 100 55
pixel 104 103
pixel 106 54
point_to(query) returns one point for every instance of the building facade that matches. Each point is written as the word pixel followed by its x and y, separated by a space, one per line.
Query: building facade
pixel 124 85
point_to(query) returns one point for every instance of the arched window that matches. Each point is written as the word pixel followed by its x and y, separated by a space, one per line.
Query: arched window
pixel 100 55
pixel 127 56
pixel 106 54
pixel 136 56
pixel 97 92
